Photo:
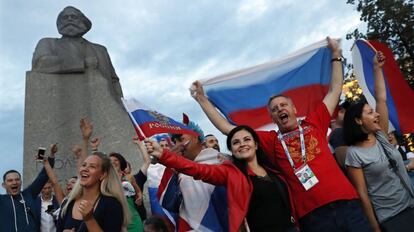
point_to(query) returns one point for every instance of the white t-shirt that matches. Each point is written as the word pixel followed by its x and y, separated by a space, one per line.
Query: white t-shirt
pixel 46 220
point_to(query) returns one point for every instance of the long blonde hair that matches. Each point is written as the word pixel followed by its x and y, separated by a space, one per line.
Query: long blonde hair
pixel 110 186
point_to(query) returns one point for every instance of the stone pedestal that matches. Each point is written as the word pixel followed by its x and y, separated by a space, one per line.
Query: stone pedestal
pixel 54 105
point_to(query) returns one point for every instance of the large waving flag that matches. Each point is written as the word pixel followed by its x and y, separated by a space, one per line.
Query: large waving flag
pixel 148 122
pixel 242 95
pixel 399 93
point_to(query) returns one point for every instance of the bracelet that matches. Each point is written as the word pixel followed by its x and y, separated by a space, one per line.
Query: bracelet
pixel 340 59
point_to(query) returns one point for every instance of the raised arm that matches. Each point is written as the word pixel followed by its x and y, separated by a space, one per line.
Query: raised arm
pixel 86 130
pixel 213 174
pixel 52 176
pixel 356 176
pixel 36 186
pixel 145 157
pixel 221 123
pixel 380 92
pixel 335 87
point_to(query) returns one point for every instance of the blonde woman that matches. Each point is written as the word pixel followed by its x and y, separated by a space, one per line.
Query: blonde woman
pixel 97 202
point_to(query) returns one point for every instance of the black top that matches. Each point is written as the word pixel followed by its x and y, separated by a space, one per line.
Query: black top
pixel 269 208
pixel 108 214
pixel 336 138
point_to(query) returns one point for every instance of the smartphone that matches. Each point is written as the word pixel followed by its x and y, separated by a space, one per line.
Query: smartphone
pixel 50 209
pixel 41 153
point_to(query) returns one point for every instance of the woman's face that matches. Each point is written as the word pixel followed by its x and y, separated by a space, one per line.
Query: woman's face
pixel 243 145
pixel 90 172
pixel 115 163
pixel 369 120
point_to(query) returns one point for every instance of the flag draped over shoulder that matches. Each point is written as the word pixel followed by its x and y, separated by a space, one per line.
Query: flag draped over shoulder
pixel 399 93
pixel 148 122
pixel 242 95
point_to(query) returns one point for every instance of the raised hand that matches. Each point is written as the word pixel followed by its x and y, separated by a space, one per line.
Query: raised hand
pixel 197 91
pixel 335 46
pixel 379 60
pixel 153 148
pixel 77 150
pixel 53 149
pixel 95 143
pixel 86 128
pixel 136 140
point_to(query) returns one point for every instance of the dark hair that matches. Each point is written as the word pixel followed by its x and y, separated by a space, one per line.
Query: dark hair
pixel 261 156
pixel 157 223
pixel 10 171
pixel 120 158
pixel 344 105
pixel 352 131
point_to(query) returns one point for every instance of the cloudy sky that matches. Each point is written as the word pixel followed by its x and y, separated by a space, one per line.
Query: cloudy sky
pixel 159 48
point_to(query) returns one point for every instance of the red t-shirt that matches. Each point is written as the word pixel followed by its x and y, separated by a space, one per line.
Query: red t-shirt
pixel 332 186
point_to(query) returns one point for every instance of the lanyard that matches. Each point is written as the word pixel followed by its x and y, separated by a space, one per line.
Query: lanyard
pixel 302 146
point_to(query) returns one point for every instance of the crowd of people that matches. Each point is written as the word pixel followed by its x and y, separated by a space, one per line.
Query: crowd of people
pixel 295 178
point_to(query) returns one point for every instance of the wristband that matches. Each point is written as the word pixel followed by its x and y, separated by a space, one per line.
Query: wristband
pixel 340 59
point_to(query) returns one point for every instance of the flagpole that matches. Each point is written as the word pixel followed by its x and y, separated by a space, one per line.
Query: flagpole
pixel 133 119
pixel 365 41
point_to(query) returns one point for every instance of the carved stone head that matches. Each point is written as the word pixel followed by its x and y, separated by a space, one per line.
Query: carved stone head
pixel 71 22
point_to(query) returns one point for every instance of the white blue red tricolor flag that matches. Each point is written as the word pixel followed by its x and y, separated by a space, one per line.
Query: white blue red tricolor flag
pixel 399 93
pixel 242 95
pixel 148 122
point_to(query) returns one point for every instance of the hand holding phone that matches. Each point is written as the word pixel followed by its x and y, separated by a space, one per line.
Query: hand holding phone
pixel 41 153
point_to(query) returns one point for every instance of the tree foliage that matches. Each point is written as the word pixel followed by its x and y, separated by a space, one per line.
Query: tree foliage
pixel 390 22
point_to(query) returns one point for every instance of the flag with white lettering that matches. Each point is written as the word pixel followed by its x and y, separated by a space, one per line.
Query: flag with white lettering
pixel 149 122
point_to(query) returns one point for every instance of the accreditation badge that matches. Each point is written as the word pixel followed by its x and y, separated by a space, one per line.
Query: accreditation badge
pixel 306 177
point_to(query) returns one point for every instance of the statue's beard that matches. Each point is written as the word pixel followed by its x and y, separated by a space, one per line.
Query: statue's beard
pixel 72 30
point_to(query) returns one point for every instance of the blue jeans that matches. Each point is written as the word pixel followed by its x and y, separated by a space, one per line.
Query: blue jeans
pixel 338 216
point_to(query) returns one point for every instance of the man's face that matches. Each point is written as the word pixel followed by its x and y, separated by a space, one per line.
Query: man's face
pixel 212 142
pixel 392 139
pixel 187 145
pixel 12 183
pixel 283 113
pixel 71 24
pixel 164 144
pixel 47 191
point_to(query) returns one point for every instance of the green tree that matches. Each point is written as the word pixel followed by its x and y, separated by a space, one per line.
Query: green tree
pixel 390 22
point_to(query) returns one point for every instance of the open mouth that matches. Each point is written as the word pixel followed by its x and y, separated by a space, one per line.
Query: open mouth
pixel 14 188
pixel 283 117
pixel 84 176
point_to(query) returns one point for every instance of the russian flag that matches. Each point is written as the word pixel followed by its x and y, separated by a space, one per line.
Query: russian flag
pixel 207 210
pixel 399 93
pixel 149 122
pixel 155 174
pixel 242 95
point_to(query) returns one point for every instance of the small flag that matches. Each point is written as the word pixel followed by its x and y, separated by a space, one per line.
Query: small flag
pixel 149 122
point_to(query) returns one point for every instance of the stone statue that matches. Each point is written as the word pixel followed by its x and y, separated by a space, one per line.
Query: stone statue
pixel 72 78
pixel 72 53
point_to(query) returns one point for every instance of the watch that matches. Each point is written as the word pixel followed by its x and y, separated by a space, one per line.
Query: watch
pixel 340 59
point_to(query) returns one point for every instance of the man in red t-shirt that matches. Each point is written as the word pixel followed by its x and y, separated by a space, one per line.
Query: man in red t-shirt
pixel 325 200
